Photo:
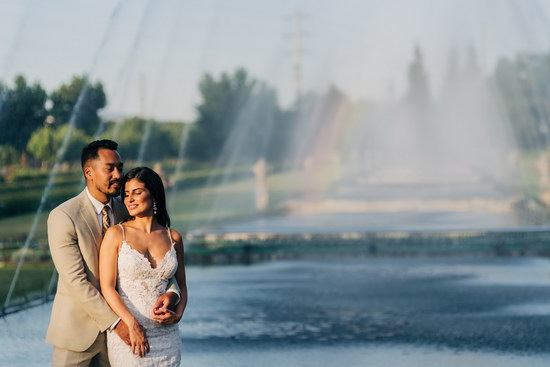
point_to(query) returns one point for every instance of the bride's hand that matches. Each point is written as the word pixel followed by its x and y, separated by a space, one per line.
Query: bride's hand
pixel 166 316
pixel 138 339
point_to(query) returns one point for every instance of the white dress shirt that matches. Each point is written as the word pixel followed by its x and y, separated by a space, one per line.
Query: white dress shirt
pixel 98 207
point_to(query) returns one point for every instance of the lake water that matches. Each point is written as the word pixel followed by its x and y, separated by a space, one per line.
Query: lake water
pixel 369 222
pixel 385 206
pixel 348 312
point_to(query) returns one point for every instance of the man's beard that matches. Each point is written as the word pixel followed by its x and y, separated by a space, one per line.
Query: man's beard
pixel 109 191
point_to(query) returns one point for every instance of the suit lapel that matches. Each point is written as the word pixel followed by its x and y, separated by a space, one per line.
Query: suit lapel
pixel 89 217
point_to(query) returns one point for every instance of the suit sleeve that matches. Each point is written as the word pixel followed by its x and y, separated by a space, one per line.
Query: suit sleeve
pixel 173 287
pixel 68 261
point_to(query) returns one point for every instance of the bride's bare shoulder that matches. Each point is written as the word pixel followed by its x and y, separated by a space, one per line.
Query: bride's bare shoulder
pixel 176 236
pixel 112 238
pixel 113 231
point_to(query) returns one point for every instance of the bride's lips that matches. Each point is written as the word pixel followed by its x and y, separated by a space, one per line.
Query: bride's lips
pixel 132 206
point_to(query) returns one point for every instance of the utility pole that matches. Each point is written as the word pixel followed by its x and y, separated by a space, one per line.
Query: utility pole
pixel 297 35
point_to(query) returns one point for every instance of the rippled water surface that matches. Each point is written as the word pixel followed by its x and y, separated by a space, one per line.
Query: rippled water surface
pixel 399 312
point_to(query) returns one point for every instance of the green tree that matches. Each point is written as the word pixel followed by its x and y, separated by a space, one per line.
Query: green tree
pixel 21 112
pixel 66 96
pixel 419 93
pixel 262 124
pixel 8 155
pixel 199 146
pixel 223 100
pixel 46 142
pixel 162 142
pixel 524 87
pixel 238 119
pixel 77 141
pixel 130 133
pixel 316 123
pixel 42 144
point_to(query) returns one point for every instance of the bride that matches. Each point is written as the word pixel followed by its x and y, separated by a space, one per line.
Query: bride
pixel 137 260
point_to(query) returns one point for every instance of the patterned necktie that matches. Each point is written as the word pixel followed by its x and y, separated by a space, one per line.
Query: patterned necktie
pixel 105 222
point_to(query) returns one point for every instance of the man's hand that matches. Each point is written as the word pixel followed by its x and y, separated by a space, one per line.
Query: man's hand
pixel 162 309
pixel 122 331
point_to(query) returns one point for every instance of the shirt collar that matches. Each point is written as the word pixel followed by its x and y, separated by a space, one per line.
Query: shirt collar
pixel 98 205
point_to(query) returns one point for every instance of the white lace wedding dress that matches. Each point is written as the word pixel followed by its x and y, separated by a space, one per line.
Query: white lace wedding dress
pixel 139 285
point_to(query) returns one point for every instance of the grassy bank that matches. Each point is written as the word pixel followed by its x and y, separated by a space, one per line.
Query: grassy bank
pixel 34 280
pixel 199 199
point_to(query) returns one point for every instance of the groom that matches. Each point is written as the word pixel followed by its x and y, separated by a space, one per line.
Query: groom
pixel 80 316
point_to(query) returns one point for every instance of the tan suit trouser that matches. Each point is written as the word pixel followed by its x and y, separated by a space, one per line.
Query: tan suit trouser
pixel 96 355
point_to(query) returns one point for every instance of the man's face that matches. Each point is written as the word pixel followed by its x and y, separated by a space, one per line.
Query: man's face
pixel 105 172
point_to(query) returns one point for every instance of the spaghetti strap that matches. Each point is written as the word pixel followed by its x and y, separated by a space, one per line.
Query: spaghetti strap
pixel 123 232
pixel 170 235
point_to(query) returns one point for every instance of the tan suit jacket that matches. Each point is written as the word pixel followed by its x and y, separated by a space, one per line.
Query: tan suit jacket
pixel 79 311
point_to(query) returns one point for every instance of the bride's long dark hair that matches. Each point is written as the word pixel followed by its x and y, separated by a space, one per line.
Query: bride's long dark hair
pixel 153 183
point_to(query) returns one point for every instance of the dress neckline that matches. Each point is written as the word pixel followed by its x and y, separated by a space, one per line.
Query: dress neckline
pixel 141 255
pixel 172 244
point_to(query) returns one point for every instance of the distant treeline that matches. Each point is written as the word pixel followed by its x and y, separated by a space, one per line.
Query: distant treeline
pixel 239 118
pixel 34 123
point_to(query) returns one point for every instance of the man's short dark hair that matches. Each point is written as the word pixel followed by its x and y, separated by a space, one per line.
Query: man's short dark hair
pixel 90 151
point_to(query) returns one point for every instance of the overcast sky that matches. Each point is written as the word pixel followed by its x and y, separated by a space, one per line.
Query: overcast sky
pixel 157 50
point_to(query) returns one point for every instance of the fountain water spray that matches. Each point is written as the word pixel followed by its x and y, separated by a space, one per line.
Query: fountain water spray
pixel 179 165
pixel 256 116
pixel 9 61
pixel 123 79
pixel 156 92
pixel 60 154
pixel 185 130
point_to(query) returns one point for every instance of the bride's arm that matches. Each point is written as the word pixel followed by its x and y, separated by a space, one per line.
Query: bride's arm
pixel 162 312
pixel 180 275
pixel 108 257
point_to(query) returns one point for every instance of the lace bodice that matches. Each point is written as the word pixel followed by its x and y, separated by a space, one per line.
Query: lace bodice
pixel 139 286
pixel 139 282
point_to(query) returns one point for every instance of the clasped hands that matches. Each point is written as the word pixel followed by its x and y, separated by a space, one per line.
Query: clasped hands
pixel 161 313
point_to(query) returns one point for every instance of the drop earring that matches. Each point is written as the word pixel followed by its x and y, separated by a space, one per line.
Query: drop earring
pixel 154 208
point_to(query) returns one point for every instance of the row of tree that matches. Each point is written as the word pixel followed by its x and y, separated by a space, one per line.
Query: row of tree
pixel 32 121
pixel 239 117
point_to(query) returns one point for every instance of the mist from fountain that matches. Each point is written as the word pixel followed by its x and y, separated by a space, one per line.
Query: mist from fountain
pixel 168 50
pixel 178 168
pixel 350 155
pixel 124 76
pixel 454 152
pixel 183 139
pixel 61 153
pixel 248 142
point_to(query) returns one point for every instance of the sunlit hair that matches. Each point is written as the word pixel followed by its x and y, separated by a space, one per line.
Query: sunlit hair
pixel 153 183
pixel 89 152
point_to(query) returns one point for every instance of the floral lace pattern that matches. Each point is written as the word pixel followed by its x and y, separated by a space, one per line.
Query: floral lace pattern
pixel 139 285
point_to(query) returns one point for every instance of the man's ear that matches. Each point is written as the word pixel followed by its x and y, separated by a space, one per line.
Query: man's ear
pixel 88 172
